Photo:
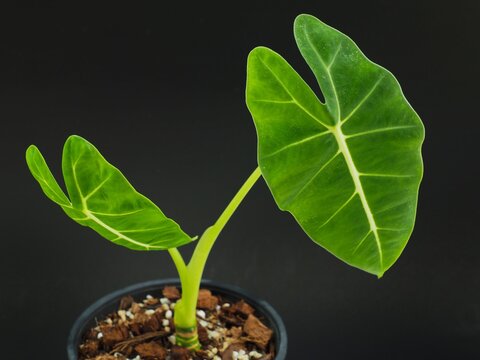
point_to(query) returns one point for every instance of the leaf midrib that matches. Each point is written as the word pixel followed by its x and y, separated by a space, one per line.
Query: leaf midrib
pixel 342 144
pixel 116 232
pixel 96 220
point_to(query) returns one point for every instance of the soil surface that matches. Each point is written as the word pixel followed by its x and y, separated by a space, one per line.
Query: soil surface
pixel 144 330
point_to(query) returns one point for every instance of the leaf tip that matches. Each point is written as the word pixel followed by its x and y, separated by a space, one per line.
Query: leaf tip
pixel 304 22
pixel 257 52
pixel 31 154
pixel 74 138
pixel 302 19
pixel 76 142
pixel 31 150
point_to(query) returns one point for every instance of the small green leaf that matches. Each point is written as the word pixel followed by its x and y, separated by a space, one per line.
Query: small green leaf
pixel 101 198
pixel 348 170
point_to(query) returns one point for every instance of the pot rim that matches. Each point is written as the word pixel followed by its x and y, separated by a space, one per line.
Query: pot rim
pixel 276 322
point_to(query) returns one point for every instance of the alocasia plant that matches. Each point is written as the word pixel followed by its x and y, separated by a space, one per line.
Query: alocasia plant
pixel 348 169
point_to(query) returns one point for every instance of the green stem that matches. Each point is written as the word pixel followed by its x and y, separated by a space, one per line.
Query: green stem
pixel 179 263
pixel 202 250
pixel 191 275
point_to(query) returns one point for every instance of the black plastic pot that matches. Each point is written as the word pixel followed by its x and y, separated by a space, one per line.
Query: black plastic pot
pixel 109 304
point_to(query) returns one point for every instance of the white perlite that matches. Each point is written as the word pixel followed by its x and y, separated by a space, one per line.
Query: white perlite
pixel 129 314
pixel 242 355
pixel 255 355
pixel 213 335
pixel 203 323
pixel 122 315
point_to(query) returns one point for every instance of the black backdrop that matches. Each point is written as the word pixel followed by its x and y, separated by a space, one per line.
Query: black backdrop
pixel 159 88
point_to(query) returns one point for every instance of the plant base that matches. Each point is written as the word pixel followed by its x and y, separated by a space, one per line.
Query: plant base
pixel 150 321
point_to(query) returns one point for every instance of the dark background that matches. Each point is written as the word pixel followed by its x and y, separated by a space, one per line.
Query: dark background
pixel 159 88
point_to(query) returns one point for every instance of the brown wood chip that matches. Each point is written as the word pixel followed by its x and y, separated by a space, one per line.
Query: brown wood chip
pixel 136 308
pixel 151 301
pixel 136 329
pixel 232 319
pixel 91 334
pixel 151 351
pixel 257 332
pixel 171 293
pixel 180 353
pixel 113 334
pixel 243 308
pixel 125 302
pixel 235 332
pixel 203 335
pixel 148 322
pixel 89 348
pixel 202 353
pixel 206 300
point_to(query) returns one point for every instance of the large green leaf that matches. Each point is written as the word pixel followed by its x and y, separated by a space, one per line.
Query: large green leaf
pixel 101 198
pixel 348 170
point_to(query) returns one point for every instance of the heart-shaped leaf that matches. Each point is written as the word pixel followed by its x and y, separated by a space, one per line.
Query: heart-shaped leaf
pixel 101 198
pixel 348 170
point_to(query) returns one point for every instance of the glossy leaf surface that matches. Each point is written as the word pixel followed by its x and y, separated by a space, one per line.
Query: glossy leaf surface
pixel 100 197
pixel 348 169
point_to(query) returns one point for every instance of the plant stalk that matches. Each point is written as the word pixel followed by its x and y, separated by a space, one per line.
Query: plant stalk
pixel 191 274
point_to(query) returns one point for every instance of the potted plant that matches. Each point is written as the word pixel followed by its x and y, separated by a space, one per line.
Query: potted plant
pixel 348 169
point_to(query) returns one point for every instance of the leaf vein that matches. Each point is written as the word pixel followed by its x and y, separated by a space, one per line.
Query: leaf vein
pixel 359 105
pixel 291 95
pixel 385 175
pixel 334 57
pixel 304 140
pixel 329 74
pixel 390 128
pixel 274 101
pixel 339 210
pixel 361 242
pixel 312 178
pixel 97 188
pixel 115 214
